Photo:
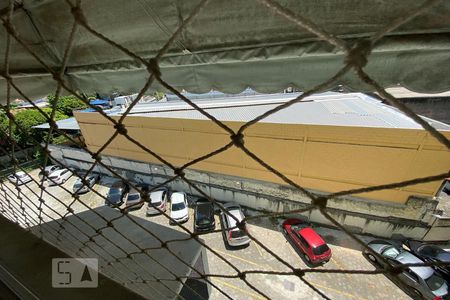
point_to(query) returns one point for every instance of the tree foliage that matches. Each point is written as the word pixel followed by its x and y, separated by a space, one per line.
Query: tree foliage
pixel 66 104
pixel 4 127
pixel 26 119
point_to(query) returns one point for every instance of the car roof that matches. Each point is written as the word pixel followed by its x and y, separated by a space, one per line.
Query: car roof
pixel 204 206
pixel 177 197
pixel 117 184
pixel 408 258
pixel 236 213
pixel 57 172
pixel 156 196
pixel 312 237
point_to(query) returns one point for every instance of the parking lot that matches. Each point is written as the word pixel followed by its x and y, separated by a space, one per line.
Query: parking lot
pixel 346 253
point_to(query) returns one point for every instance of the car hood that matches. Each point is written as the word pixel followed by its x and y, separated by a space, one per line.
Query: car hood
pixel 114 198
pixel 133 201
pixel 377 247
pixel 178 213
pixel 445 257
pixel 79 187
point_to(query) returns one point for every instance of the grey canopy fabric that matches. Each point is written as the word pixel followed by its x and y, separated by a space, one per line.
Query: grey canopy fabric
pixel 229 46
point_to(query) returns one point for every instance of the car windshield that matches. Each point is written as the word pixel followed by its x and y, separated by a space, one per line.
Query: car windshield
pixel 203 214
pixel 115 191
pixel 237 233
pixel 158 203
pixel 178 206
pixel 77 185
pixel 133 197
pixel 21 175
pixel 203 219
pixel 429 250
pixel 391 252
pixel 434 282
pixel 320 249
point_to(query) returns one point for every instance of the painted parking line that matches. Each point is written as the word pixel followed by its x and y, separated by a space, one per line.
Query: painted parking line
pixel 239 258
pixel 252 295
pixel 340 266
pixel 258 248
pixel 335 290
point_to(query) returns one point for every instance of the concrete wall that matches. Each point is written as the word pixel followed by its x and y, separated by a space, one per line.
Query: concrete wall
pixel 20 155
pixel 325 158
pixel 440 230
pixel 378 218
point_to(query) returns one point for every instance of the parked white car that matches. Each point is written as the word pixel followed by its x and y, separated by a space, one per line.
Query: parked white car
pixel 59 177
pixel 48 170
pixel 179 207
pixel 19 178
pixel 158 201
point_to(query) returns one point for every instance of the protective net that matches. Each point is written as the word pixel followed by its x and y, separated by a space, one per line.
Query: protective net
pixel 40 210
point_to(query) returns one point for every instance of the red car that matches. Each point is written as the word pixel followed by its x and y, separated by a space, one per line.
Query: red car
pixel 307 241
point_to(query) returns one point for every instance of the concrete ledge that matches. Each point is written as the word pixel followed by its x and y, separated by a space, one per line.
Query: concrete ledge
pixel 29 260
pixel 385 219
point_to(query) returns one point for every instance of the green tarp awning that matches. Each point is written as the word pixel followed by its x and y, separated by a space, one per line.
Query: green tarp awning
pixel 229 46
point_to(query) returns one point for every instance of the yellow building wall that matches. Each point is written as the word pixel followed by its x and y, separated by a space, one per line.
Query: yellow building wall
pixel 325 158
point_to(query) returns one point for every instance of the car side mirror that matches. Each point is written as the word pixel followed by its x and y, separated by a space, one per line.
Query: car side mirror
pixel 405 247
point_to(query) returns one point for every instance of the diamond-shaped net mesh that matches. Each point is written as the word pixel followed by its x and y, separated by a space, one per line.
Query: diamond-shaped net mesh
pixel 33 214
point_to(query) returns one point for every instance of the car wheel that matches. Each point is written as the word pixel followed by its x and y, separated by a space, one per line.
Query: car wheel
pixel 285 231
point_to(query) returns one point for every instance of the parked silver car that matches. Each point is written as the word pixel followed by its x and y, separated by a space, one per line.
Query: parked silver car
pixel 19 178
pixel 59 177
pixel 79 187
pixel 234 237
pixel 134 200
pixel 158 201
pixel 422 282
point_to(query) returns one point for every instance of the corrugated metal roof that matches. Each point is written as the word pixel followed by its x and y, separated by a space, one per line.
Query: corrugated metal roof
pixel 336 109
pixel 66 124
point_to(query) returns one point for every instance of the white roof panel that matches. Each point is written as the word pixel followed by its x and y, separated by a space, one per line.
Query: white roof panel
pixel 335 109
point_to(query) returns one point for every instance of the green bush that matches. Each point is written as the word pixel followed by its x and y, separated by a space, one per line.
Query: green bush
pixel 26 119
pixel 60 139
pixel 66 104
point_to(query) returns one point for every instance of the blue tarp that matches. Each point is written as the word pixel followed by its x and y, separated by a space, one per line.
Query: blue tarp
pixel 99 102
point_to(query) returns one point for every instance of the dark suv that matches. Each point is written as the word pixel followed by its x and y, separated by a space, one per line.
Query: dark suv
pixel 204 216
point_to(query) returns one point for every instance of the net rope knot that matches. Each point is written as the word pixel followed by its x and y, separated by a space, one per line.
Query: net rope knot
pixel 121 129
pixel 320 202
pixel 238 140
pixel 78 14
pixel 153 67
pixel 179 172
pixel 299 272
pixel 357 56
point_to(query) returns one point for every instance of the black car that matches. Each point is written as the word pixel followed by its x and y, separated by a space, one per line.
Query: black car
pixel 431 253
pixel 204 216
pixel 117 194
